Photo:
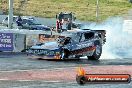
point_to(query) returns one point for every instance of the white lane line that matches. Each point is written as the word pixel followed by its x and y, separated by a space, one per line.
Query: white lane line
pixel 57 81
pixel 4 79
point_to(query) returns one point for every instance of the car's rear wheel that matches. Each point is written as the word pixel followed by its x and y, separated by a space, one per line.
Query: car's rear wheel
pixel 97 53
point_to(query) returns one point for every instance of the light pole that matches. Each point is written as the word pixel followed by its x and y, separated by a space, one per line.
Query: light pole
pixel 10 16
pixel 97 10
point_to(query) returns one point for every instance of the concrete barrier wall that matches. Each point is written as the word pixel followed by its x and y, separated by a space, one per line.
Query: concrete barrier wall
pixel 23 39
pixel 31 40
pixel 19 42
pixel 39 38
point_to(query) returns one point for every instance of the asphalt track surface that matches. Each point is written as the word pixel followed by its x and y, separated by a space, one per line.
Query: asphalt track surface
pixel 18 71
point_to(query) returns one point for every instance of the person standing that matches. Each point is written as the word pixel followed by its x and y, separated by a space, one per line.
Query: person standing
pixel 69 24
pixel 19 22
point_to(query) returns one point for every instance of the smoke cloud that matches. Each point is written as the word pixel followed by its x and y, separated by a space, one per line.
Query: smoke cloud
pixel 118 42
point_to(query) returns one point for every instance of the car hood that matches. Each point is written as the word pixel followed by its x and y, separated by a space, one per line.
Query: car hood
pixel 47 45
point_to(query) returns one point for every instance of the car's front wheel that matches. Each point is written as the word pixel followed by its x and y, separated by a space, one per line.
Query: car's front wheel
pixel 97 53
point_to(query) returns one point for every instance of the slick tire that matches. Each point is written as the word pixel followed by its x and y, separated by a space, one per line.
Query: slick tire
pixel 97 53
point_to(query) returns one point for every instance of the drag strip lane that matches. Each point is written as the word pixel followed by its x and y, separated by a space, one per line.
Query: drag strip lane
pixel 61 75
pixel 21 62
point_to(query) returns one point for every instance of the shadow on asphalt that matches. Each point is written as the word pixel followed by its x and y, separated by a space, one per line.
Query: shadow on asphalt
pixel 24 58
pixel 125 61
pixel 74 61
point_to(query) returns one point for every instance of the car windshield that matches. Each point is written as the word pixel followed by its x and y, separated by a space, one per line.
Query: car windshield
pixel 30 22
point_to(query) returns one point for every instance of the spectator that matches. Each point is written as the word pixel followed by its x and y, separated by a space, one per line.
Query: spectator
pixel 19 22
pixel 69 24
pixel 57 25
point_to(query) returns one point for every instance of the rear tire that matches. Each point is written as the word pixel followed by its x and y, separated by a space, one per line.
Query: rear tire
pixel 97 53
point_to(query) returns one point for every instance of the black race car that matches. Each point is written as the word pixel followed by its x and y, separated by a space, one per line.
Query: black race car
pixel 32 24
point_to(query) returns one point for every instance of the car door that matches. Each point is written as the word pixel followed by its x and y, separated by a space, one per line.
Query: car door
pixel 86 41
pixel 74 46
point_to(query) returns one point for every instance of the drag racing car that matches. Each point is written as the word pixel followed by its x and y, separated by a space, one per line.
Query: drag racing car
pixel 32 24
pixel 73 44
pixel 28 22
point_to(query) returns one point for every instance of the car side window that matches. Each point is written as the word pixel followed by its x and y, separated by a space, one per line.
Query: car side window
pixel 89 35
